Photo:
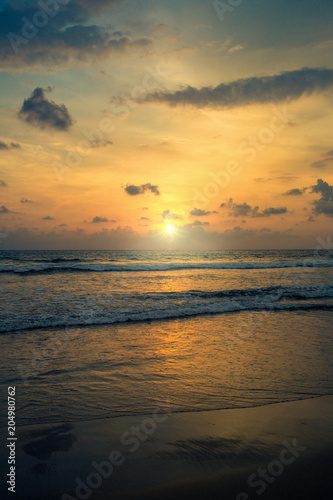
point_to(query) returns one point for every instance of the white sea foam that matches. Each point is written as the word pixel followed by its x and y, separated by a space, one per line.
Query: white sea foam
pixel 159 306
pixel 40 268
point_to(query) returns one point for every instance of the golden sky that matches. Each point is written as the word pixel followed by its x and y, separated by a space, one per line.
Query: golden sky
pixel 120 118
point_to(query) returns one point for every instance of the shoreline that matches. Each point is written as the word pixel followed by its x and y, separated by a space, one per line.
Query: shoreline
pixel 174 412
pixel 279 307
pixel 181 454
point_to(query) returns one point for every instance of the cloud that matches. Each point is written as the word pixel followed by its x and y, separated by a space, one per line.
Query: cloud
pixel 37 110
pixel 48 218
pixel 199 213
pixel 12 145
pixel 68 35
pixel 25 200
pixel 198 223
pixel 62 238
pixel 3 145
pixel 3 184
pixel 273 211
pixel 98 5
pixel 245 210
pixel 239 210
pixel 236 48
pixel 101 143
pixel 133 190
pixel 4 210
pixel 325 204
pixel 98 220
pixel 323 163
pixel 324 189
pixel 239 232
pixel 188 237
pixel 295 192
pixel 167 215
pixel 281 87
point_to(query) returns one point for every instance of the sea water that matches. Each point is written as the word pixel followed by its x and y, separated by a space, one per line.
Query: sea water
pixel 95 334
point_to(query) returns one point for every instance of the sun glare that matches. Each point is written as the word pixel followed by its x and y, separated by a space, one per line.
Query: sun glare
pixel 169 228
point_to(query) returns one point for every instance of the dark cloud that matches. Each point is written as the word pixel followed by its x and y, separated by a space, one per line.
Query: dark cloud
pixel 167 215
pixel 133 190
pixel 97 220
pixel 294 192
pixel 241 209
pixel 255 90
pixel 245 210
pixel 197 212
pixel 199 223
pixel 273 211
pixel 324 189
pixel 322 163
pixel 83 38
pixel 12 145
pixel 31 37
pixel 25 200
pixel 144 218
pixel 48 218
pixel 98 5
pixel 4 210
pixel 3 184
pixel 37 110
pixel 325 204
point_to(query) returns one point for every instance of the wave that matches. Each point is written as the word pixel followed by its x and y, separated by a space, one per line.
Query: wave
pixel 147 267
pixel 159 315
pixel 178 305
pixel 272 292
pixel 60 259
pixel 279 292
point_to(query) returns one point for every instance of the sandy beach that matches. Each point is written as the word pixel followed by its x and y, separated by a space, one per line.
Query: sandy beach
pixel 280 451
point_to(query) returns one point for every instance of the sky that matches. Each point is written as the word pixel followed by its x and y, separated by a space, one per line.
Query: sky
pixel 164 124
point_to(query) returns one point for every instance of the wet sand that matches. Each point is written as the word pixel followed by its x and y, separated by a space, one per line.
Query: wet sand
pixel 278 451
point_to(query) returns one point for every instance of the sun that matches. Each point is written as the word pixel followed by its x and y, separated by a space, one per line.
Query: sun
pixel 169 228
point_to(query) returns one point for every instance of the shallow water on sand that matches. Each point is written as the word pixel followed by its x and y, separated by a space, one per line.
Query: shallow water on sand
pixel 199 363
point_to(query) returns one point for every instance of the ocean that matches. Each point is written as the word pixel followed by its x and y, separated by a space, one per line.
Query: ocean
pixel 97 334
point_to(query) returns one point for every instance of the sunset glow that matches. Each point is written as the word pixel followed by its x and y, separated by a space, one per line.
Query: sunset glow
pixel 169 228
pixel 198 116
